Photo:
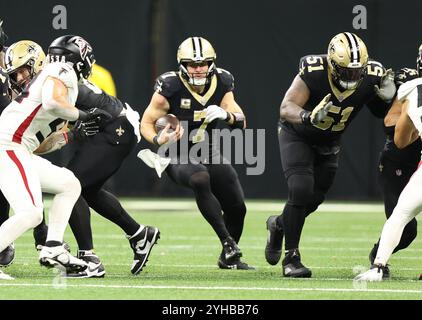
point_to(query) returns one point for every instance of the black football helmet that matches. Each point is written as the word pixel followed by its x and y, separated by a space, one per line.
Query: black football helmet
pixel 73 49
pixel 419 61
pixel 3 36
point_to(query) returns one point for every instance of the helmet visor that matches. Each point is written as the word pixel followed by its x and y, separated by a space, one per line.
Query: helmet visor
pixel 350 74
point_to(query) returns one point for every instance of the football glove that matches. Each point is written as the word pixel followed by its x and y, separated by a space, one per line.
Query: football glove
pixel 82 130
pixel 214 112
pixel 100 116
pixel 387 88
pixel 320 112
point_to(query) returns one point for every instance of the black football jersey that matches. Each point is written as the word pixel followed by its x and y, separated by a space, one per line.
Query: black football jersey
pixel 5 95
pixel 188 106
pixel 313 70
pixel 410 155
pixel 90 96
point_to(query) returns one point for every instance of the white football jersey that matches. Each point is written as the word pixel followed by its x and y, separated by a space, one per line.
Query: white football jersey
pixel 412 91
pixel 24 122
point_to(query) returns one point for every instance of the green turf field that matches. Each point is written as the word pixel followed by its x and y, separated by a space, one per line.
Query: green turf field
pixel 335 243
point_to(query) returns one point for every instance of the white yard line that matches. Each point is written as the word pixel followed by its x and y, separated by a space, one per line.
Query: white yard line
pixel 272 207
pixel 11 284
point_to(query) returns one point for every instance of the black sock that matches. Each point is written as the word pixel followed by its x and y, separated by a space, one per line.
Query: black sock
pixel 234 218
pixel 53 243
pixel 80 223
pixel 293 221
pixel 40 232
pixel 4 209
pixel 208 204
pixel 107 205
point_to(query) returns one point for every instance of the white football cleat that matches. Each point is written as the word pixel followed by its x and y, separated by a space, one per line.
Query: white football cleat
pixel 4 276
pixel 59 257
pixel 372 275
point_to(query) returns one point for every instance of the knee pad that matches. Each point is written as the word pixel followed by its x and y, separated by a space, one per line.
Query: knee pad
pixel 301 189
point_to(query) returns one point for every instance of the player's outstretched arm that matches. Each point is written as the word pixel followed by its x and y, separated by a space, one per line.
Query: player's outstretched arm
pixel 297 95
pixel 405 132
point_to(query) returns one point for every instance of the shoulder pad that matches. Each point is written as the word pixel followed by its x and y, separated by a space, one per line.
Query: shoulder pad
pixel 312 66
pixel 405 74
pixel 62 71
pixel 226 78
pixel 167 84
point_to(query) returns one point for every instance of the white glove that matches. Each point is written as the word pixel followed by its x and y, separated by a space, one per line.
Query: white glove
pixel 321 110
pixel 387 88
pixel 214 112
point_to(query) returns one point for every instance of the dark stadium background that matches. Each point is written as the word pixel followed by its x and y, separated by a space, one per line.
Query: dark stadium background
pixel 260 42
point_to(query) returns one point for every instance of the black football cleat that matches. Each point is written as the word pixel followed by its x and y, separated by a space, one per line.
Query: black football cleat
pixel 141 245
pixel 293 267
pixel 95 267
pixel 230 256
pixel 373 255
pixel 7 256
pixel 274 241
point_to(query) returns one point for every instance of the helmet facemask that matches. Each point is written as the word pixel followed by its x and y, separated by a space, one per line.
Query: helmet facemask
pixel 419 62
pixel 190 77
pixel 349 78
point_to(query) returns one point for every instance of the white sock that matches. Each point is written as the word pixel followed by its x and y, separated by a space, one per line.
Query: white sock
pixel 59 214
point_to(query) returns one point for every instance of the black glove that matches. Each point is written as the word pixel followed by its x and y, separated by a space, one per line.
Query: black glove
pixel 82 130
pixel 100 116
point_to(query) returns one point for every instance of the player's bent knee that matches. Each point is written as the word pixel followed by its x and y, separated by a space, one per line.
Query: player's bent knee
pixel 200 180
pixel 33 217
pixel 71 184
pixel 300 189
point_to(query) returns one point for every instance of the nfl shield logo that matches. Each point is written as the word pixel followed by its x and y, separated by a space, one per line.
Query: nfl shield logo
pixel 398 172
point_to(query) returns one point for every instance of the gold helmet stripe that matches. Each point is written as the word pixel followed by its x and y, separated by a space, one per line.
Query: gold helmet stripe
pixel 354 49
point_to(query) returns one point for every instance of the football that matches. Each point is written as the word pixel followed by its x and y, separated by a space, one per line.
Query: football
pixel 161 123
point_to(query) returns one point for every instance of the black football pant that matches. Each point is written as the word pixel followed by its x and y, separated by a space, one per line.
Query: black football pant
pixel 393 177
pixel 94 162
pixel 217 189
pixel 309 172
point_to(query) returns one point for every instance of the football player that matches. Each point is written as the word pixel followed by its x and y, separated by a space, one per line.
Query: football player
pixel 396 166
pixel 408 129
pixel 23 60
pixel 199 94
pixel 118 136
pixel 41 109
pixel 325 96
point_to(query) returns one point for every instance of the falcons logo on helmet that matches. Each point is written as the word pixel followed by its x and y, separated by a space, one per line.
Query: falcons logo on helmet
pixel 84 47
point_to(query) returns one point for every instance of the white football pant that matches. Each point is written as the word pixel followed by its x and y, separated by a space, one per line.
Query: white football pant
pixel 23 178
pixel 408 206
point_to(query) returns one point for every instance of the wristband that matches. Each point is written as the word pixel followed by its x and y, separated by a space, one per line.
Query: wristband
pixel 155 140
pixel 305 116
